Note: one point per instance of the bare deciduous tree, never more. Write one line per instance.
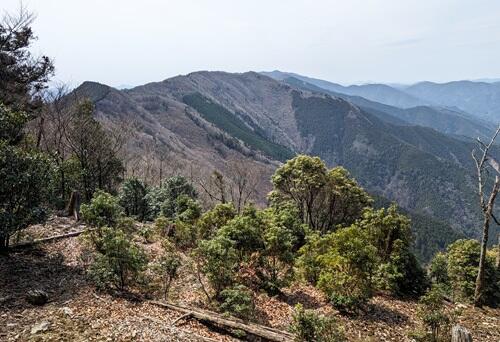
(236, 183)
(484, 163)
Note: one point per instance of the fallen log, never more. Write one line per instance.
(189, 314)
(195, 337)
(47, 239)
(267, 333)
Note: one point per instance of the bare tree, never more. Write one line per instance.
(244, 180)
(214, 186)
(237, 183)
(53, 122)
(497, 263)
(484, 163)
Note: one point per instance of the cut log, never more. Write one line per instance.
(460, 334)
(229, 323)
(48, 239)
(74, 205)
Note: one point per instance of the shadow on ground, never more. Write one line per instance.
(22, 271)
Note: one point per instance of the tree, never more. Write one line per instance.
(214, 219)
(133, 199)
(347, 267)
(103, 210)
(438, 271)
(398, 270)
(485, 162)
(25, 172)
(22, 76)
(26, 176)
(218, 260)
(300, 180)
(53, 122)
(463, 263)
(118, 261)
(95, 149)
(163, 199)
(341, 202)
(324, 198)
(236, 183)
(432, 312)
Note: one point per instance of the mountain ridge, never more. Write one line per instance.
(425, 171)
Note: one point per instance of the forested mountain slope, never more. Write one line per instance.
(208, 117)
(444, 120)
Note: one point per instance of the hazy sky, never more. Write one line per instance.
(139, 41)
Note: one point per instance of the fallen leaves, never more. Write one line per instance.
(75, 312)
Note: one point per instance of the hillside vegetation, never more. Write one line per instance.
(218, 206)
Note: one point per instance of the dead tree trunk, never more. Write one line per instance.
(74, 205)
(460, 334)
(260, 331)
(484, 163)
(497, 263)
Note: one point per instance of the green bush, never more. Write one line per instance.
(133, 199)
(433, 315)
(245, 231)
(147, 233)
(168, 266)
(172, 190)
(308, 326)
(463, 264)
(162, 226)
(237, 301)
(187, 209)
(438, 271)
(281, 232)
(184, 234)
(264, 241)
(24, 187)
(103, 210)
(219, 261)
(398, 270)
(212, 220)
(118, 263)
(162, 200)
(309, 260)
(347, 267)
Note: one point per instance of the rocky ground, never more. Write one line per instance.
(76, 311)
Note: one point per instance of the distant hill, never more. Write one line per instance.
(478, 98)
(375, 92)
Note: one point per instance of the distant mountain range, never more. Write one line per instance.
(418, 156)
(478, 99)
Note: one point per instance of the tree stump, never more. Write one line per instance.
(460, 334)
(74, 205)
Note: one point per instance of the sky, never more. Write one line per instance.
(350, 41)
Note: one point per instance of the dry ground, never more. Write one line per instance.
(77, 312)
